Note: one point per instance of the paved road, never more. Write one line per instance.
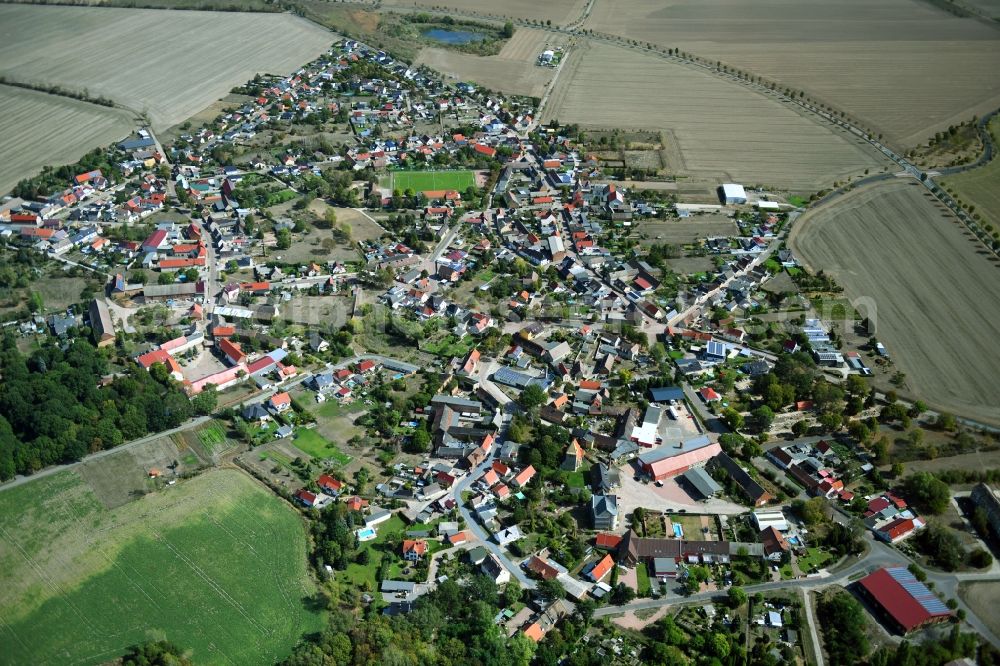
(461, 486)
(879, 555)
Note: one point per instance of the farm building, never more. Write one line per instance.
(905, 602)
(672, 459)
(702, 482)
(100, 322)
(731, 193)
(747, 485)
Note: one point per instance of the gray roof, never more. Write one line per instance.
(602, 505)
(702, 482)
(176, 289)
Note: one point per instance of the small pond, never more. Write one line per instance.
(453, 36)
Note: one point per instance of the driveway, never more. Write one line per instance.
(670, 497)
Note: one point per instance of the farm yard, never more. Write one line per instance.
(723, 130)
(50, 130)
(906, 78)
(513, 70)
(212, 52)
(927, 277)
(424, 181)
(216, 564)
(981, 187)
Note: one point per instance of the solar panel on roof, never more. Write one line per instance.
(917, 590)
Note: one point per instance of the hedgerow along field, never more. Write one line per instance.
(50, 130)
(981, 187)
(201, 55)
(428, 181)
(216, 564)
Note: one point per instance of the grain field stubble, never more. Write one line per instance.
(937, 312)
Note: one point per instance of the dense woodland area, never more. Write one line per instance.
(54, 408)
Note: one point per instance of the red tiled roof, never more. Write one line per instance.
(900, 602)
(525, 476)
(602, 568)
(417, 546)
(327, 482)
(607, 540)
(541, 568)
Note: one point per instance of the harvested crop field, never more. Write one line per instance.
(903, 67)
(216, 564)
(170, 64)
(931, 283)
(557, 11)
(723, 130)
(983, 598)
(981, 187)
(49, 130)
(513, 70)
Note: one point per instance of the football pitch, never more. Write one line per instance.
(216, 564)
(425, 181)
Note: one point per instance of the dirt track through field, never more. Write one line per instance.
(938, 311)
(723, 130)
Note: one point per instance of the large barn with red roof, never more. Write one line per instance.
(905, 603)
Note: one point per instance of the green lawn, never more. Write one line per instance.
(449, 346)
(217, 564)
(312, 443)
(423, 181)
(365, 575)
(642, 579)
(575, 480)
(814, 557)
(796, 201)
(331, 409)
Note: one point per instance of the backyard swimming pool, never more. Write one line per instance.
(366, 533)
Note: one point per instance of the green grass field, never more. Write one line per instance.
(981, 187)
(215, 564)
(423, 181)
(312, 443)
(575, 480)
